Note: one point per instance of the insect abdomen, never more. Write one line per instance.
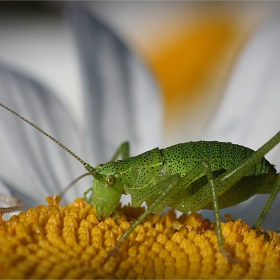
(183, 157)
(222, 157)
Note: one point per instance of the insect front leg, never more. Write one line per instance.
(123, 150)
(85, 195)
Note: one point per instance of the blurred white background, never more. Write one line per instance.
(36, 39)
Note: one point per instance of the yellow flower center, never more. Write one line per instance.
(70, 242)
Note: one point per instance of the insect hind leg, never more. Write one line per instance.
(268, 204)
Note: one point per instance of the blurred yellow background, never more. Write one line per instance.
(193, 66)
(191, 48)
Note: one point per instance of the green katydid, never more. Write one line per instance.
(189, 177)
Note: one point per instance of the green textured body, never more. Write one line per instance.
(140, 176)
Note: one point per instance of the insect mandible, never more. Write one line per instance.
(189, 177)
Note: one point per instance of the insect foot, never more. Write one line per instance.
(229, 257)
(112, 254)
(75, 244)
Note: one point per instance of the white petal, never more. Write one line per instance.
(249, 113)
(49, 167)
(122, 101)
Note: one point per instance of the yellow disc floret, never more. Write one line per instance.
(70, 242)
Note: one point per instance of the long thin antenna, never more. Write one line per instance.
(63, 192)
(49, 136)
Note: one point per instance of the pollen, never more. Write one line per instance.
(70, 242)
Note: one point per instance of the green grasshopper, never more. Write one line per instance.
(189, 177)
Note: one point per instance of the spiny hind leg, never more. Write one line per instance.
(122, 151)
(268, 204)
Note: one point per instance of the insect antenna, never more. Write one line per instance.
(87, 166)
(63, 192)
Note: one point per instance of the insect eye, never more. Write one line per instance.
(110, 180)
(98, 165)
